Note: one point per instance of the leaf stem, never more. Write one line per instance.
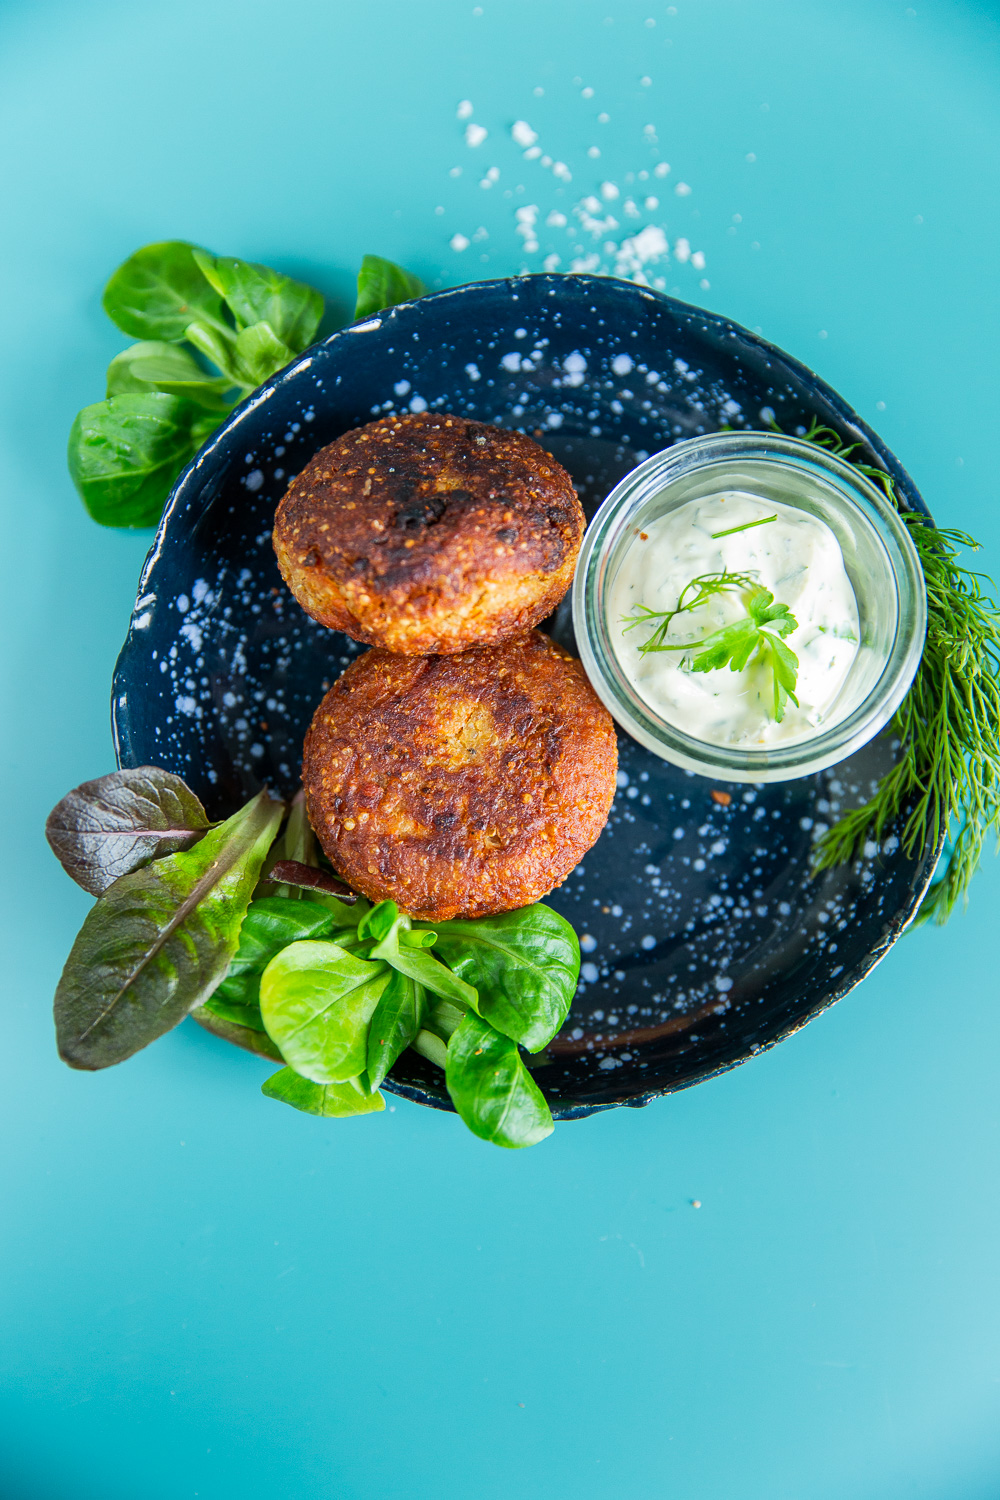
(747, 526)
(430, 1045)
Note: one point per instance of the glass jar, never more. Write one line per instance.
(879, 557)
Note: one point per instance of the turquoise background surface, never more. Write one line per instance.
(204, 1294)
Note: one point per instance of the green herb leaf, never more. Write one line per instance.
(270, 924)
(219, 345)
(378, 921)
(125, 453)
(158, 942)
(758, 634)
(412, 960)
(491, 1088)
(316, 1000)
(336, 1100)
(525, 966)
(947, 778)
(397, 1019)
(157, 366)
(159, 291)
(257, 294)
(784, 666)
(105, 828)
(260, 354)
(383, 284)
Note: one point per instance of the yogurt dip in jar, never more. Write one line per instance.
(749, 606)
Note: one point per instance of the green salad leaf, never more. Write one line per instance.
(335, 992)
(491, 1088)
(157, 366)
(258, 353)
(256, 294)
(160, 940)
(332, 1099)
(160, 291)
(396, 1021)
(316, 1000)
(126, 452)
(381, 284)
(270, 924)
(525, 966)
(404, 950)
(162, 404)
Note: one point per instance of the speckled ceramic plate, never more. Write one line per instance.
(704, 938)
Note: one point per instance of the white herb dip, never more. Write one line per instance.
(797, 557)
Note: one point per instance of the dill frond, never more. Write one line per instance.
(947, 779)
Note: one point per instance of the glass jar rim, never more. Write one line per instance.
(858, 496)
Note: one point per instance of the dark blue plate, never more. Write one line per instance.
(704, 938)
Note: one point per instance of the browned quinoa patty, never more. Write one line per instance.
(460, 785)
(429, 533)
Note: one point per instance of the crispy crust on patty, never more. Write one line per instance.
(460, 785)
(429, 533)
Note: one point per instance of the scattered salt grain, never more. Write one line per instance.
(475, 135)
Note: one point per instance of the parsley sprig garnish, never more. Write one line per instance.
(758, 635)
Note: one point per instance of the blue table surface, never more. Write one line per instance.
(204, 1294)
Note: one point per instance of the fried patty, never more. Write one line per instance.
(460, 785)
(429, 533)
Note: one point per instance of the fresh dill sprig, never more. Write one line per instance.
(947, 779)
(758, 633)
